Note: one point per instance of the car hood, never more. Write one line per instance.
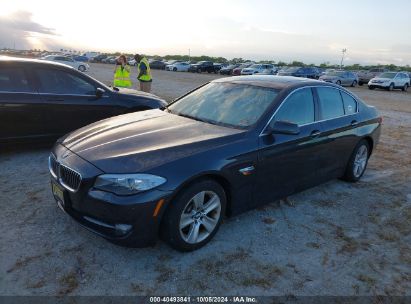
(382, 79)
(136, 93)
(139, 141)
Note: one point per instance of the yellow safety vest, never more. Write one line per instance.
(147, 75)
(122, 77)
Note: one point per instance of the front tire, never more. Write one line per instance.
(194, 216)
(338, 82)
(175, 69)
(354, 84)
(358, 162)
(391, 87)
(82, 68)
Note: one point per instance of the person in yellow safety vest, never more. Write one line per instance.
(122, 73)
(143, 73)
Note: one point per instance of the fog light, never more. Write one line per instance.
(122, 228)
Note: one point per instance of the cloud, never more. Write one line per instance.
(17, 30)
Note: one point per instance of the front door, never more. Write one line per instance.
(289, 163)
(72, 101)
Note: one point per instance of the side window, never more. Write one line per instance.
(298, 108)
(59, 82)
(331, 105)
(14, 80)
(350, 105)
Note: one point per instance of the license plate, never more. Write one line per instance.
(58, 193)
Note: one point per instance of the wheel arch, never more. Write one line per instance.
(370, 142)
(220, 179)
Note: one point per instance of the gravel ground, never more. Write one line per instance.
(337, 239)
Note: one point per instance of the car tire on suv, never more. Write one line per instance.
(405, 87)
(391, 87)
(194, 215)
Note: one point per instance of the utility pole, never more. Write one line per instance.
(342, 58)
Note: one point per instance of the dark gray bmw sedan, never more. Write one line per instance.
(222, 149)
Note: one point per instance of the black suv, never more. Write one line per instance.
(308, 72)
(203, 66)
(44, 100)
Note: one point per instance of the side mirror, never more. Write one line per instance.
(99, 92)
(283, 127)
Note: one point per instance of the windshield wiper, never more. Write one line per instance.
(195, 118)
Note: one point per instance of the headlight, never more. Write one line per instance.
(126, 184)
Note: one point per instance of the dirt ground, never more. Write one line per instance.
(337, 239)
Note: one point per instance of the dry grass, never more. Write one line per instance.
(268, 220)
(23, 262)
(68, 283)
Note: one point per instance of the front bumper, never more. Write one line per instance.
(125, 220)
(379, 85)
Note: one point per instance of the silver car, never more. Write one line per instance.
(342, 78)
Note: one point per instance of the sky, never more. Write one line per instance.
(313, 31)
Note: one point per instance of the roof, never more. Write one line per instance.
(270, 81)
(32, 61)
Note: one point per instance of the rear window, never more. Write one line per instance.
(350, 105)
(14, 80)
(331, 104)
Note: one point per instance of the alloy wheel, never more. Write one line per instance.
(360, 161)
(200, 217)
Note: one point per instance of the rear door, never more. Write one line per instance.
(21, 108)
(338, 113)
(71, 100)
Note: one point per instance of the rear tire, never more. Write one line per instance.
(338, 82)
(187, 224)
(82, 68)
(354, 84)
(358, 162)
(175, 69)
(360, 83)
(371, 87)
(405, 88)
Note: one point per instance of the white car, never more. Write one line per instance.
(81, 66)
(178, 67)
(259, 69)
(390, 81)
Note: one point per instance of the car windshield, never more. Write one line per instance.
(255, 66)
(226, 104)
(387, 75)
(231, 66)
(335, 73)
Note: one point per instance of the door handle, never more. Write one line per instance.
(315, 133)
(354, 123)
